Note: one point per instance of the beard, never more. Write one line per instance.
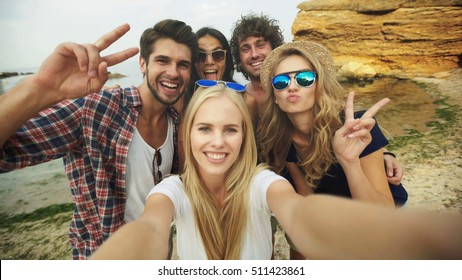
(252, 75)
(156, 95)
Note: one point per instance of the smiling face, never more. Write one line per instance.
(210, 69)
(168, 71)
(294, 99)
(252, 52)
(216, 137)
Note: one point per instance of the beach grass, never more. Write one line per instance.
(39, 235)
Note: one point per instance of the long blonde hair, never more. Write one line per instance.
(221, 226)
(275, 129)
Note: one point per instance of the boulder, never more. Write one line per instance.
(400, 38)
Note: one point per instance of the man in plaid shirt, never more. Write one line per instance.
(116, 144)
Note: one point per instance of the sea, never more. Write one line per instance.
(130, 69)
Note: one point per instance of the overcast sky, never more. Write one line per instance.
(30, 29)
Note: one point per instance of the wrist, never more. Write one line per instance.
(43, 95)
(389, 153)
(351, 164)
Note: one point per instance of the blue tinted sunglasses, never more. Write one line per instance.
(210, 83)
(303, 78)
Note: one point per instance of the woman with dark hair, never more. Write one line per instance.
(214, 61)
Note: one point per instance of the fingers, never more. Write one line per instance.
(102, 70)
(87, 56)
(388, 167)
(94, 59)
(363, 132)
(90, 59)
(398, 173)
(107, 39)
(120, 56)
(393, 180)
(70, 50)
(375, 108)
(102, 75)
(357, 127)
(350, 108)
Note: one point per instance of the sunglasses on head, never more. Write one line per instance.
(210, 83)
(303, 78)
(156, 163)
(217, 56)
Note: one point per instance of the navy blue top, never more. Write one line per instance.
(334, 182)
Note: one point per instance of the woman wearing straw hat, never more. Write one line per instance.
(300, 117)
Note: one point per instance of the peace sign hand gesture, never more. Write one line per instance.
(354, 136)
(75, 70)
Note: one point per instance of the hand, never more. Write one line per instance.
(75, 70)
(394, 170)
(353, 137)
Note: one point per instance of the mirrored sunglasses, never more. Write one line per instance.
(210, 83)
(217, 56)
(303, 78)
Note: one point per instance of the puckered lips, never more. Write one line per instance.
(292, 98)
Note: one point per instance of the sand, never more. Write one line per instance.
(433, 179)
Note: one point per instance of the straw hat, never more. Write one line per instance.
(306, 48)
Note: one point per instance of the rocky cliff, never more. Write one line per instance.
(402, 38)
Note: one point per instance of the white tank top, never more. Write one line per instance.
(139, 179)
(256, 244)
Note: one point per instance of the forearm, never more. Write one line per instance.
(361, 187)
(136, 241)
(20, 104)
(298, 179)
(334, 228)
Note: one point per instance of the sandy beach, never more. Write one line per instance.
(433, 178)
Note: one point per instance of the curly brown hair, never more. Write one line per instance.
(258, 26)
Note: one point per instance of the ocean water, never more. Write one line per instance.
(130, 69)
(7, 83)
(132, 72)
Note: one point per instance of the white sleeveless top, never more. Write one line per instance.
(139, 179)
(257, 243)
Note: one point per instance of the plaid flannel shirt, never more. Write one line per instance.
(92, 134)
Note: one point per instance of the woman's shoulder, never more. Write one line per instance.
(171, 183)
(172, 179)
(265, 176)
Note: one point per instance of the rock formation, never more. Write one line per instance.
(401, 38)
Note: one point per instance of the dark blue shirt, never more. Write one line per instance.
(334, 182)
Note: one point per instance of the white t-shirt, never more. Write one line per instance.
(257, 243)
(139, 178)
